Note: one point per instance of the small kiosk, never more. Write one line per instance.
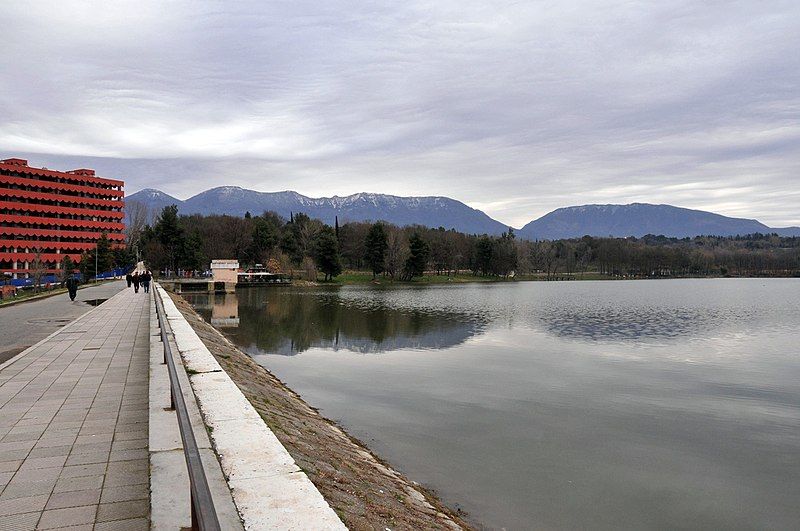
(225, 274)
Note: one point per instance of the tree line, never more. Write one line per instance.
(305, 247)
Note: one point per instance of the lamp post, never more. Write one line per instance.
(96, 251)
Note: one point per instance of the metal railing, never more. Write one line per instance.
(204, 515)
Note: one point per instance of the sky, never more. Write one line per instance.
(515, 108)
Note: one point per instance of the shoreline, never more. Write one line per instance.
(361, 278)
(363, 489)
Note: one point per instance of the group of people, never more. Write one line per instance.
(137, 278)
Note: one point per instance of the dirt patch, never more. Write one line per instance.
(364, 491)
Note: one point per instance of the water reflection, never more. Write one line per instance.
(290, 321)
(225, 310)
(615, 323)
(592, 405)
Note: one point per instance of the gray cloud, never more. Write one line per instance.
(514, 108)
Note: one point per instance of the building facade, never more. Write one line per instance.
(46, 215)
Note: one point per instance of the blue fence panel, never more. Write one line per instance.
(54, 279)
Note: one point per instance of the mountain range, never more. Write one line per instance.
(636, 219)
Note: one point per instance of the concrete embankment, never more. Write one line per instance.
(267, 487)
(363, 490)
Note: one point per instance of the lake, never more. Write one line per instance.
(555, 405)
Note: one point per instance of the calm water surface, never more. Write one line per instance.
(602, 405)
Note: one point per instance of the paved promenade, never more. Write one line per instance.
(35, 320)
(74, 424)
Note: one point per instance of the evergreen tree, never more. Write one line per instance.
(326, 253)
(504, 254)
(86, 265)
(169, 234)
(264, 239)
(419, 253)
(289, 244)
(123, 257)
(191, 251)
(375, 246)
(105, 257)
(483, 255)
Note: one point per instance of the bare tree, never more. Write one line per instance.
(138, 216)
(37, 269)
(397, 250)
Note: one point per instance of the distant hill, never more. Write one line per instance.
(154, 200)
(639, 219)
(428, 211)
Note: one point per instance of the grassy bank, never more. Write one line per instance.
(365, 277)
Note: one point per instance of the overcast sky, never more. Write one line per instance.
(516, 108)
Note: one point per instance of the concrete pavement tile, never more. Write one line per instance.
(132, 444)
(19, 522)
(55, 518)
(13, 455)
(18, 445)
(10, 466)
(89, 448)
(36, 474)
(137, 465)
(128, 435)
(38, 421)
(125, 493)
(5, 477)
(50, 451)
(65, 424)
(79, 483)
(43, 462)
(94, 438)
(22, 505)
(23, 436)
(134, 524)
(89, 431)
(87, 459)
(122, 478)
(51, 433)
(22, 489)
(50, 442)
(75, 498)
(108, 419)
(76, 471)
(35, 431)
(128, 455)
(123, 510)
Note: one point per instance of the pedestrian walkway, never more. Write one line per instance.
(74, 424)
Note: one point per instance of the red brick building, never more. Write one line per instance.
(54, 214)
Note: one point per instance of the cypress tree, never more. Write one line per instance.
(419, 253)
(326, 253)
(375, 246)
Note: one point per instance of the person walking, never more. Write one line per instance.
(72, 287)
(135, 279)
(146, 278)
(129, 278)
